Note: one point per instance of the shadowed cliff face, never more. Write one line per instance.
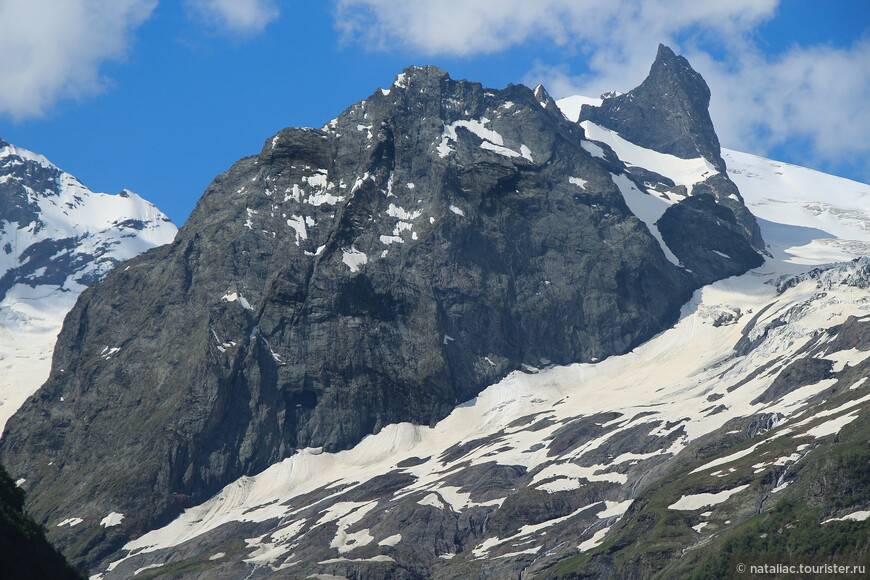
(24, 549)
(384, 268)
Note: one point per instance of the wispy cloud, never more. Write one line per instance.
(467, 27)
(236, 16)
(815, 96)
(54, 48)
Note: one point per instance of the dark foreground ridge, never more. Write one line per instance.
(385, 268)
(24, 551)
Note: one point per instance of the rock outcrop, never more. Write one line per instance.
(668, 112)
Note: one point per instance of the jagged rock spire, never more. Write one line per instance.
(668, 112)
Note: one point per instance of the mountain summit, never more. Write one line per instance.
(668, 112)
(385, 268)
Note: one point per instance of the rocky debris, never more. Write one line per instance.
(800, 373)
(855, 273)
(655, 181)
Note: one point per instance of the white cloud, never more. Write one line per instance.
(53, 49)
(815, 97)
(237, 16)
(616, 39)
(466, 27)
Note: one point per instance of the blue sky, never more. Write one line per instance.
(159, 96)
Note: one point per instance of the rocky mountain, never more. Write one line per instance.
(57, 238)
(668, 113)
(416, 343)
(744, 421)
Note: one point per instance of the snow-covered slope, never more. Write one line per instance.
(56, 238)
(783, 194)
(545, 462)
(570, 106)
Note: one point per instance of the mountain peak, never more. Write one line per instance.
(545, 99)
(670, 70)
(667, 112)
(665, 53)
(419, 74)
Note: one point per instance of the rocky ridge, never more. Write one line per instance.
(383, 269)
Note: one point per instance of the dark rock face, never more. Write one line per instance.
(854, 333)
(419, 247)
(686, 228)
(668, 112)
(802, 372)
(24, 550)
(727, 195)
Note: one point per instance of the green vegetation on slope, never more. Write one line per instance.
(789, 533)
(832, 478)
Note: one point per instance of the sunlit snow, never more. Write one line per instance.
(102, 226)
(648, 208)
(353, 258)
(699, 500)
